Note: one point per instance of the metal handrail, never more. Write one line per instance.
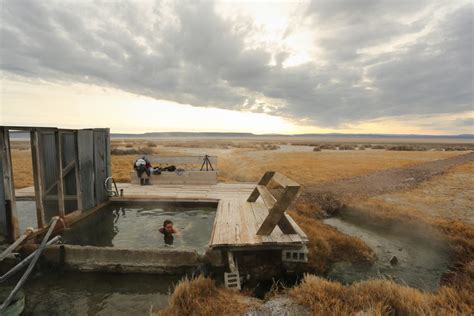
(34, 259)
(111, 192)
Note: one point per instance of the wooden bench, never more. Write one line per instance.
(276, 206)
(190, 170)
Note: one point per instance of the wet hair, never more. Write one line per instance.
(166, 222)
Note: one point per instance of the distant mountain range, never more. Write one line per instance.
(251, 135)
(23, 135)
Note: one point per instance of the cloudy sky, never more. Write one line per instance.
(359, 66)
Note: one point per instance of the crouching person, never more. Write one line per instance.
(142, 165)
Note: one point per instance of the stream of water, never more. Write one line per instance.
(422, 258)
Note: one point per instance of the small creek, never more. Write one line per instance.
(422, 258)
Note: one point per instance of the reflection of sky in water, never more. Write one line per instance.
(138, 228)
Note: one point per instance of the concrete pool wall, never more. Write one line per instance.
(106, 259)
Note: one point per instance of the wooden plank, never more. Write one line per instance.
(276, 213)
(263, 181)
(80, 205)
(260, 212)
(69, 168)
(3, 205)
(108, 158)
(297, 228)
(8, 184)
(284, 181)
(213, 231)
(60, 180)
(37, 177)
(85, 152)
(219, 225)
(100, 166)
(247, 232)
(267, 197)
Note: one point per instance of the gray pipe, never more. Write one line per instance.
(30, 267)
(13, 246)
(25, 261)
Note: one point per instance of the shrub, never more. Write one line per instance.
(346, 147)
(327, 146)
(151, 144)
(132, 151)
(317, 148)
(378, 297)
(200, 296)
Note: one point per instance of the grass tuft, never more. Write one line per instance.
(200, 296)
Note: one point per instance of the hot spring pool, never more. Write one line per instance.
(136, 226)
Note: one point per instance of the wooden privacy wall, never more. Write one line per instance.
(69, 170)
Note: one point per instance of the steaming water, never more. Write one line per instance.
(421, 260)
(97, 294)
(136, 226)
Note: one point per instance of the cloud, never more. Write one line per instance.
(375, 58)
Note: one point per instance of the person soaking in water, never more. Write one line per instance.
(168, 230)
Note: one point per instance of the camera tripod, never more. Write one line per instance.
(206, 162)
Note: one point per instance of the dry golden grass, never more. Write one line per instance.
(201, 297)
(378, 297)
(22, 168)
(314, 167)
(245, 164)
(449, 196)
(327, 245)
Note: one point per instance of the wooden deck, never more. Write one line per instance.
(237, 221)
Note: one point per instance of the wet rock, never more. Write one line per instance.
(393, 260)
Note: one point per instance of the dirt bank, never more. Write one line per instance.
(330, 195)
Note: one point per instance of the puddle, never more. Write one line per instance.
(96, 294)
(136, 226)
(422, 259)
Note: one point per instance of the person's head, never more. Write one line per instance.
(168, 225)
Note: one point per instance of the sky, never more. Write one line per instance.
(321, 66)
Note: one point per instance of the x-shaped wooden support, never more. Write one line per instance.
(276, 207)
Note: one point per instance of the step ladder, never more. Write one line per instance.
(232, 278)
